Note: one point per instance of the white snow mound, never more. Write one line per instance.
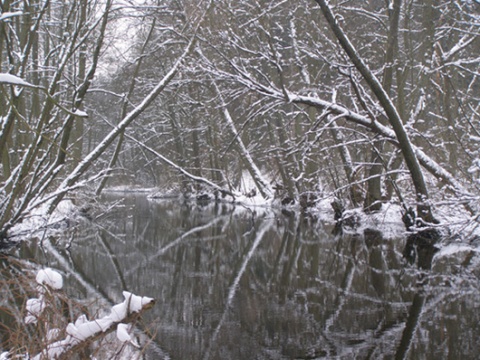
(50, 277)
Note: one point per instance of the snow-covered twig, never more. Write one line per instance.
(83, 331)
(78, 334)
(10, 79)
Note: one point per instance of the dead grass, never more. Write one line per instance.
(17, 285)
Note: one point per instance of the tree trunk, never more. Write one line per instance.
(262, 184)
(373, 197)
(118, 147)
(374, 184)
(423, 207)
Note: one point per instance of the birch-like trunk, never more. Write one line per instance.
(262, 184)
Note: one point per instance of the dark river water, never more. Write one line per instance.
(230, 283)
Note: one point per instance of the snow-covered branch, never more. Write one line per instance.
(84, 331)
(123, 124)
(262, 184)
(14, 80)
(8, 15)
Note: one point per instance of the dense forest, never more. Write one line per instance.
(366, 102)
(339, 109)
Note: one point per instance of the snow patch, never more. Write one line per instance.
(251, 195)
(53, 334)
(451, 249)
(132, 303)
(123, 332)
(50, 278)
(38, 220)
(386, 221)
(80, 113)
(119, 312)
(34, 308)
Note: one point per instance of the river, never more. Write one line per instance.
(237, 283)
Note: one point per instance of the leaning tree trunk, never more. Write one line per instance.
(423, 208)
(262, 184)
(126, 100)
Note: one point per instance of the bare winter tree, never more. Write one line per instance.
(39, 123)
(309, 98)
(43, 106)
(379, 99)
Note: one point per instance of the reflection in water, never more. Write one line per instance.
(420, 247)
(237, 284)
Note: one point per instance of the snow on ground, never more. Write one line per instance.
(38, 223)
(455, 223)
(451, 249)
(131, 189)
(255, 200)
(246, 193)
(251, 196)
(388, 221)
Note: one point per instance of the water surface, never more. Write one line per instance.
(232, 283)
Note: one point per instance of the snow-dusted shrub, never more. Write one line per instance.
(39, 321)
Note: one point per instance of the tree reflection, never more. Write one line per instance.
(235, 284)
(420, 247)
